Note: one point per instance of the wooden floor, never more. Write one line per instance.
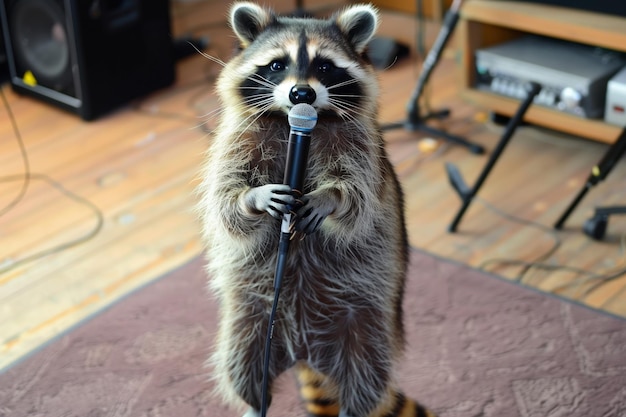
(136, 170)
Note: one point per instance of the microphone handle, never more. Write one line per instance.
(295, 168)
(297, 158)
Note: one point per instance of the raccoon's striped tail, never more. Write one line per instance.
(319, 395)
(406, 407)
(321, 399)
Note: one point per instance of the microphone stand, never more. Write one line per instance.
(416, 121)
(283, 249)
(295, 172)
(300, 11)
(454, 175)
(595, 226)
(598, 173)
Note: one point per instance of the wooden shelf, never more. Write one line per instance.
(488, 22)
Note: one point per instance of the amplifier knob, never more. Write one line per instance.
(570, 98)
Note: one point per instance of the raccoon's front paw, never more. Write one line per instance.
(274, 199)
(314, 210)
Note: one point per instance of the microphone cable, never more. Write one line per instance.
(26, 177)
(541, 262)
(25, 160)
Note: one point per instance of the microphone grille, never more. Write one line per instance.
(302, 117)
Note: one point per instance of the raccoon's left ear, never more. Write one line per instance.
(358, 23)
(248, 20)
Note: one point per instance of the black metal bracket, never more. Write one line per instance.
(456, 179)
(595, 227)
(598, 173)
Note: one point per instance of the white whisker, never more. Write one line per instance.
(348, 111)
(262, 81)
(260, 99)
(209, 57)
(252, 118)
(347, 95)
(344, 83)
(212, 113)
(346, 105)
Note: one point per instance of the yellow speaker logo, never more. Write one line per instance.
(29, 79)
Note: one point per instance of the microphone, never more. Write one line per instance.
(302, 119)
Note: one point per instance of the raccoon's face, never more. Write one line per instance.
(285, 61)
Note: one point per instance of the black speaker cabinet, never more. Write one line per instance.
(613, 7)
(4, 65)
(88, 56)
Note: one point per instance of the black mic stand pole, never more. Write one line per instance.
(598, 173)
(456, 179)
(300, 11)
(415, 121)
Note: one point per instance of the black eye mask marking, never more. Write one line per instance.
(256, 88)
(338, 81)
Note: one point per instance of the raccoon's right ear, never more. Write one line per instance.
(248, 20)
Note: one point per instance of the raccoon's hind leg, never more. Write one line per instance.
(239, 353)
(318, 392)
(360, 362)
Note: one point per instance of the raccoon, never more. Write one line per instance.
(339, 321)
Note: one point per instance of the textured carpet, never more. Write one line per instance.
(478, 347)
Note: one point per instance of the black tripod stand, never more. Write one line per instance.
(596, 226)
(415, 120)
(454, 175)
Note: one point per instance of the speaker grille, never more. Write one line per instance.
(88, 56)
(39, 31)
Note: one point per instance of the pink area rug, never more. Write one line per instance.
(478, 346)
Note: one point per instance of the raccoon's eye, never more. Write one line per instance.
(277, 65)
(325, 66)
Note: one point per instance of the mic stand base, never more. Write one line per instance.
(415, 121)
(598, 173)
(414, 124)
(595, 227)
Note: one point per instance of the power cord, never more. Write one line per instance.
(26, 178)
(527, 265)
(539, 263)
(25, 161)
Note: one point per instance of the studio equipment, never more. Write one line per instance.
(88, 57)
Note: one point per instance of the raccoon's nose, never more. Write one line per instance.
(302, 93)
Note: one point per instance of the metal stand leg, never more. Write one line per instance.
(598, 173)
(416, 121)
(455, 177)
(595, 227)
